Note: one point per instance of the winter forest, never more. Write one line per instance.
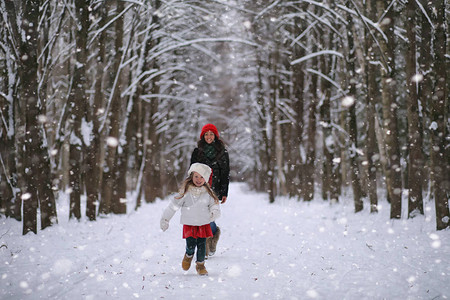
(101, 98)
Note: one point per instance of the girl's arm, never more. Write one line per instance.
(168, 213)
(214, 210)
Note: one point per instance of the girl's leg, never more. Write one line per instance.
(191, 243)
(190, 249)
(201, 249)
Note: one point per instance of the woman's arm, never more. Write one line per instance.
(194, 156)
(225, 175)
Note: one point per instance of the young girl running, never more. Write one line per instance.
(199, 206)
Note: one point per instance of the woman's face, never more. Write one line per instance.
(198, 179)
(209, 137)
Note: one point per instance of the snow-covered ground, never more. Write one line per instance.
(285, 250)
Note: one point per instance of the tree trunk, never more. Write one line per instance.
(372, 94)
(440, 162)
(353, 131)
(6, 184)
(276, 142)
(264, 121)
(93, 171)
(393, 167)
(152, 174)
(327, 134)
(7, 135)
(112, 190)
(36, 163)
(139, 121)
(311, 142)
(298, 94)
(77, 102)
(415, 159)
(426, 87)
(330, 175)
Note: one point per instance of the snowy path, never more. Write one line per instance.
(287, 250)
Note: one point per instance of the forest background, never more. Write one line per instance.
(100, 98)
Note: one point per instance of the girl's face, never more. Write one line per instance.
(198, 179)
(209, 137)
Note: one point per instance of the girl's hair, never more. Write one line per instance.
(188, 182)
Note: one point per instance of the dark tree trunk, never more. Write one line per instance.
(153, 186)
(267, 173)
(140, 120)
(113, 189)
(7, 137)
(298, 87)
(37, 182)
(426, 87)
(330, 175)
(390, 106)
(440, 162)
(311, 144)
(415, 159)
(93, 173)
(152, 166)
(273, 115)
(372, 95)
(328, 141)
(18, 111)
(77, 103)
(353, 131)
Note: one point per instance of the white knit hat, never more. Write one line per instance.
(201, 169)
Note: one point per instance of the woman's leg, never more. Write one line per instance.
(201, 249)
(213, 227)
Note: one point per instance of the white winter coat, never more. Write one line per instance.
(197, 208)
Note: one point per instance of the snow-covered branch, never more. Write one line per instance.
(309, 56)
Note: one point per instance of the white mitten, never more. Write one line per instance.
(215, 212)
(164, 224)
(167, 215)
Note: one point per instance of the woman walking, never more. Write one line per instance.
(211, 151)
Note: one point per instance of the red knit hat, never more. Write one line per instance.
(209, 127)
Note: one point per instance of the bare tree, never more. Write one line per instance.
(415, 158)
(77, 103)
(36, 188)
(8, 77)
(350, 102)
(110, 199)
(440, 162)
(390, 107)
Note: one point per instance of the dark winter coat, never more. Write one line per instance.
(220, 165)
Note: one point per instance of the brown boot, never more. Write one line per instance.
(213, 242)
(200, 267)
(186, 263)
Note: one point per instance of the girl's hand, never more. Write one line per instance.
(214, 213)
(224, 199)
(164, 224)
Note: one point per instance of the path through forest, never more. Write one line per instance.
(286, 250)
